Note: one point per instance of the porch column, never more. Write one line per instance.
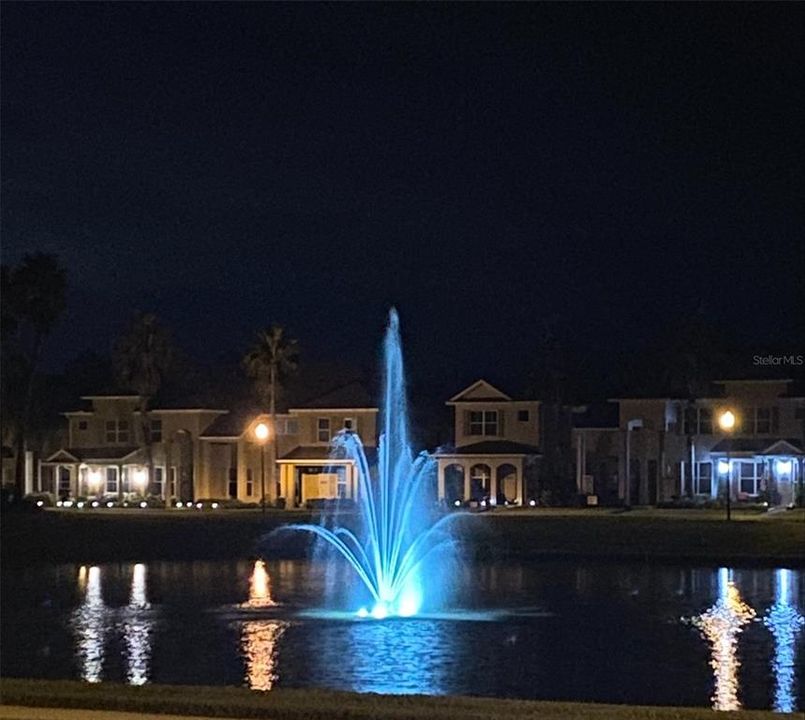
(466, 481)
(493, 484)
(75, 481)
(519, 482)
(440, 480)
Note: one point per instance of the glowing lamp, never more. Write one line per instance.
(363, 613)
(68, 503)
(143, 504)
(59, 503)
(726, 421)
(95, 503)
(40, 503)
(215, 506)
(110, 504)
(179, 504)
(457, 503)
(261, 432)
(94, 479)
(782, 467)
(140, 478)
(723, 467)
(380, 611)
(199, 506)
(532, 503)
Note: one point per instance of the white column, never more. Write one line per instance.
(493, 484)
(466, 481)
(519, 482)
(440, 479)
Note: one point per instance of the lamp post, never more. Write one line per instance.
(261, 434)
(726, 421)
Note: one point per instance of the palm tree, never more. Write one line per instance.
(142, 357)
(33, 299)
(270, 360)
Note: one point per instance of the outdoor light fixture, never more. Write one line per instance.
(67, 503)
(457, 503)
(782, 467)
(726, 421)
(110, 504)
(143, 504)
(261, 432)
(179, 504)
(59, 503)
(40, 503)
(723, 467)
(95, 503)
(532, 503)
(215, 506)
(140, 478)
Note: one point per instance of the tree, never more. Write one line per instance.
(142, 358)
(33, 300)
(270, 360)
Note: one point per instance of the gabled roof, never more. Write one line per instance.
(493, 447)
(102, 454)
(479, 391)
(759, 446)
(231, 424)
(352, 396)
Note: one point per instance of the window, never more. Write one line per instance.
(159, 480)
(341, 485)
(750, 477)
(156, 431)
(249, 482)
(483, 422)
(705, 478)
(111, 480)
(292, 426)
(349, 424)
(323, 429)
(763, 421)
(82, 424)
(523, 415)
(698, 421)
(117, 431)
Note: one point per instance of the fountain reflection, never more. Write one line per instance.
(259, 638)
(720, 625)
(137, 627)
(89, 622)
(785, 623)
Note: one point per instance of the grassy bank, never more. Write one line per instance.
(643, 535)
(289, 704)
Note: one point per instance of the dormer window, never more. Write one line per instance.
(117, 431)
(483, 422)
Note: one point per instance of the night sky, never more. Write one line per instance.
(608, 169)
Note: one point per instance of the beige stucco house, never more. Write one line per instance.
(495, 435)
(204, 453)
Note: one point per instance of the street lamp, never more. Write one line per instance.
(726, 421)
(261, 435)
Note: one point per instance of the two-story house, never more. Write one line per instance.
(203, 453)
(235, 464)
(676, 447)
(105, 454)
(495, 436)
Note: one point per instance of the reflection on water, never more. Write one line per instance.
(720, 625)
(259, 638)
(92, 622)
(137, 627)
(785, 623)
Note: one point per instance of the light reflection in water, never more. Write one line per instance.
(721, 625)
(137, 627)
(90, 624)
(259, 638)
(785, 623)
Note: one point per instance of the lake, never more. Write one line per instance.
(570, 630)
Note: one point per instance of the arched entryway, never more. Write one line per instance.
(453, 483)
(480, 481)
(506, 476)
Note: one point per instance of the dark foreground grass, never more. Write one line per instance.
(290, 704)
(643, 535)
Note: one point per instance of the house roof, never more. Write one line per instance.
(350, 396)
(324, 452)
(231, 424)
(494, 447)
(596, 416)
(102, 454)
(479, 391)
(759, 446)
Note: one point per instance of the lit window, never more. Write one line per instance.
(323, 429)
(705, 478)
(751, 476)
(484, 422)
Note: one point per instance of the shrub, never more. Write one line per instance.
(280, 503)
(47, 499)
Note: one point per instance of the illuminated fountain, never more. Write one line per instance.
(397, 534)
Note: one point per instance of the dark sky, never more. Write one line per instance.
(486, 168)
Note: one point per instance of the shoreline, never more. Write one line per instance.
(312, 704)
(641, 536)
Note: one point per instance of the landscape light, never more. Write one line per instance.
(363, 612)
(95, 503)
(68, 503)
(39, 503)
(110, 504)
(199, 506)
(179, 504)
(59, 503)
(143, 504)
(532, 503)
(215, 506)
(457, 503)
(80, 504)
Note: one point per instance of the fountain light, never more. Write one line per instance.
(362, 613)
(380, 611)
